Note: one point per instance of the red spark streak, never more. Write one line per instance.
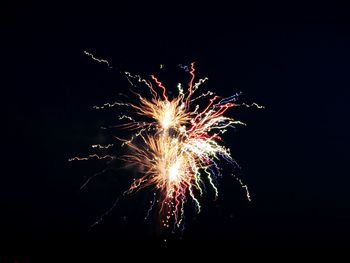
(190, 85)
(160, 85)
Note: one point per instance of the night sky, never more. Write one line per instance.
(294, 60)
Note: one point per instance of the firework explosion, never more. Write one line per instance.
(176, 143)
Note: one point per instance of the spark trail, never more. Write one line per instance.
(99, 60)
(176, 144)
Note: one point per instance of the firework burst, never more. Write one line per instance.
(175, 142)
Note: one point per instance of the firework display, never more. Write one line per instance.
(176, 140)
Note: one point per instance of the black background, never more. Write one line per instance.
(294, 59)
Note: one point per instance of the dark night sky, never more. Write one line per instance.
(295, 60)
